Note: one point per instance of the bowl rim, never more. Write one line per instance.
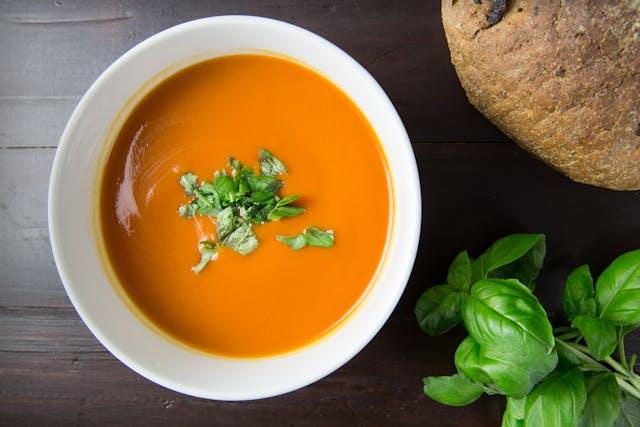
(61, 261)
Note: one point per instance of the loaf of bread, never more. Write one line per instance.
(560, 77)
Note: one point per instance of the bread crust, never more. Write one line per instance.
(560, 77)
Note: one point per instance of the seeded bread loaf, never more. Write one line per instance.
(560, 77)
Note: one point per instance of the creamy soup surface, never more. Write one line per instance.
(275, 299)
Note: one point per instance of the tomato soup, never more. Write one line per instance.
(275, 299)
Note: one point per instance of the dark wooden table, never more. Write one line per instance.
(476, 187)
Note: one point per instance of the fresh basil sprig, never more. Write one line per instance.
(563, 377)
(518, 256)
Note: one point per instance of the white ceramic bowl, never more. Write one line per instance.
(72, 211)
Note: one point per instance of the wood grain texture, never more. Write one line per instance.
(53, 50)
(54, 372)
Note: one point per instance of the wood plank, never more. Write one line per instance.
(381, 385)
(53, 371)
(55, 50)
(28, 275)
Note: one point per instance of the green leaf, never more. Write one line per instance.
(629, 415)
(311, 236)
(526, 268)
(438, 309)
(225, 223)
(208, 252)
(318, 237)
(188, 182)
(454, 390)
(579, 296)
(603, 401)
(600, 335)
(558, 401)
(225, 188)
(262, 196)
(508, 420)
(258, 214)
(514, 414)
(294, 242)
(469, 362)
(516, 343)
(264, 183)
(566, 358)
(278, 213)
(270, 165)
(516, 407)
(508, 250)
(187, 210)
(283, 209)
(618, 290)
(235, 233)
(242, 239)
(459, 275)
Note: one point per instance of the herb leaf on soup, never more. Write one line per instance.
(269, 164)
(208, 252)
(311, 236)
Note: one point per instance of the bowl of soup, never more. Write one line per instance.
(234, 208)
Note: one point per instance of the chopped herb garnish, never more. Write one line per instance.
(312, 236)
(283, 209)
(208, 252)
(270, 165)
(238, 198)
(188, 182)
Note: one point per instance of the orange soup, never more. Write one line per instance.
(275, 299)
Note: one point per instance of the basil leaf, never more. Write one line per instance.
(603, 401)
(282, 210)
(287, 200)
(270, 165)
(262, 196)
(208, 252)
(567, 358)
(558, 401)
(514, 414)
(294, 242)
(311, 236)
(459, 275)
(278, 213)
(618, 290)
(469, 362)
(235, 233)
(516, 343)
(527, 249)
(242, 239)
(235, 166)
(225, 223)
(527, 268)
(516, 407)
(225, 188)
(438, 309)
(264, 183)
(579, 296)
(600, 335)
(629, 415)
(257, 214)
(188, 182)
(187, 210)
(509, 420)
(454, 390)
(318, 237)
